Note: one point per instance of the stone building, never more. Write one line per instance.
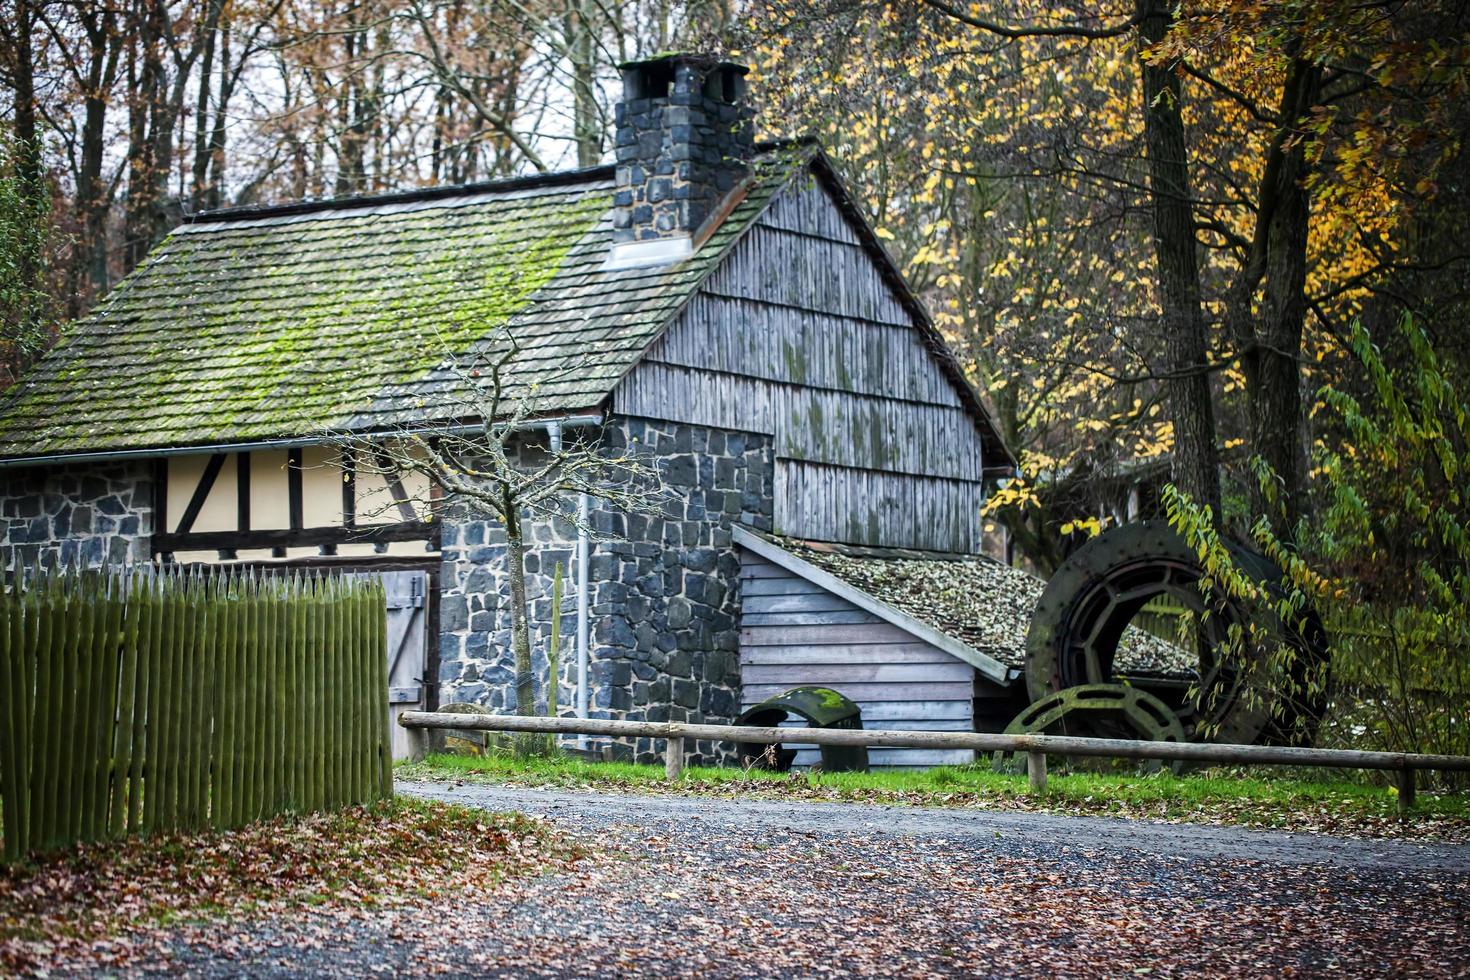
(723, 303)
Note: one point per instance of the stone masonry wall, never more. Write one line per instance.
(666, 608)
(665, 602)
(77, 513)
(475, 662)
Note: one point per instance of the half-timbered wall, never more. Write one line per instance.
(798, 336)
(252, 492)
(795, 633)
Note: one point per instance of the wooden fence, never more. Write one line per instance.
(1036, 747)
(148, 701)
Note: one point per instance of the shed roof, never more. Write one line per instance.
(977, 601)
(286, 322)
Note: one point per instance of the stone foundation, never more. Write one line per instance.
(75, 514)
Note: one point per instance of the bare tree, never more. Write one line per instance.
(486, 461)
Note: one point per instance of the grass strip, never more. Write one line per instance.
(1274, 799)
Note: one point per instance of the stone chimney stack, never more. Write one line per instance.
(685, 138)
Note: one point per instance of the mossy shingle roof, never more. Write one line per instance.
(288, 322)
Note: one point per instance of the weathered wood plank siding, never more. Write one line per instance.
(798, 336)
(785, 344)
(837, 503)
(814, 424)
(786, 641)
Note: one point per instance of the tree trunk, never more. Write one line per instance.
(28, 149)
(586, 122)
(145, 84)
(520, 630)
(94, 195)
(199, 171)
(1196, 468)
(229, 73)
(1272, 372)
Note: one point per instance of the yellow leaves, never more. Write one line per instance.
(1090, 526)
(1017, 494)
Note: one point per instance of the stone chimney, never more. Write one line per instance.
(685, 138)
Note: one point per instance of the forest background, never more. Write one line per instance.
(1207, 261)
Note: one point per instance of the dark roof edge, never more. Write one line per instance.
(567, 420)
(557, 178)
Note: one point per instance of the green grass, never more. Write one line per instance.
(1278, 799)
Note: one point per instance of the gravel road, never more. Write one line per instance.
(717, 888)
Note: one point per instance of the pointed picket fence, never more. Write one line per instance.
(141, 701)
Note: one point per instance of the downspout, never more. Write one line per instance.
(553, 438)
(583, 601)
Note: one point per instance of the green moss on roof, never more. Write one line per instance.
(279, 326)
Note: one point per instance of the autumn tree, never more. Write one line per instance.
(1229, 163)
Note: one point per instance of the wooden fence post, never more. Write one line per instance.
(418, 743)
(1036, 771)
(674, 754)
(1405, 780)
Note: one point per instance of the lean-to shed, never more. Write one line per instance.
(920, 640)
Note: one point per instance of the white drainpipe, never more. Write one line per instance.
(584, 545)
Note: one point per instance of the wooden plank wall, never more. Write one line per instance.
(795, 633)
(833, 503)
(797, 336)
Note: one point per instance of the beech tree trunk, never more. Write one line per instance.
(145, 83)
(28, 148)
(586, 121)
(520, 630)
(1196, 464)
(94, 195)
(1272, 371)
(199, 171)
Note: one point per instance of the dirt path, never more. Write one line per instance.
(715, 888)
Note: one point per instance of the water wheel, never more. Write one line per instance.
(1095, 710)
(1092, 597)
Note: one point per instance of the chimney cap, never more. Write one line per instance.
(703, 61)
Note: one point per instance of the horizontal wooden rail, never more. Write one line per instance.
(1036, 747)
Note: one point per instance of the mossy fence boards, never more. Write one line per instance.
(145, 701)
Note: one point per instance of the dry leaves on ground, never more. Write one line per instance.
(109, 903)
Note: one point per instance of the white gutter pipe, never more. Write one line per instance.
(584, 591)
(209, 449)
(553, 433)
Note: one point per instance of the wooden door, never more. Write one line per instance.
(408, 681)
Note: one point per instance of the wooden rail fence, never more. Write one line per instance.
(1036, 747)
(146, 701)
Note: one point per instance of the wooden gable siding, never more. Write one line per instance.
(794, 633)
(797, 335)
(829, 503)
